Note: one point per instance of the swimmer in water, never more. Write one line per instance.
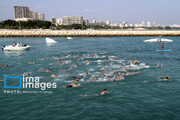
(77, 80)
(31, 63)
(47, 70)
(158, 66)
(103, 92)
(1, 66)
(1, 80)
(70, 69)
(166, 78)
(42, 70)
(53, 76)
(75, 66)
(72, 85)
(94, 79)
(86, 73)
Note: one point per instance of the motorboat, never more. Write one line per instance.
(69, 38)
(158, 40)
(15, 48)
(50, 40)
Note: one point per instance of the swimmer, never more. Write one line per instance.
(136, 72)
(54, 57)
(72, 85)
(77, 80)
(1, 80)
(43, 58)
(105, 74)
(31, 63)
(1, 66)
(103, 92)
(53, 76)
(88, 62)
(86, 73)
(157, 66)
(42, 70)
(94, 79)
(104, 69)
(75, 66)
(70, 69)
(47, 70)
(166, 78)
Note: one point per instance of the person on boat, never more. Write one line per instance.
(103, 92)
(2, 47)
(21, 44)
(163, 46)
(166, 78)
(18, 44)
(14, 44)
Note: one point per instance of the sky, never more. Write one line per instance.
(132, 11)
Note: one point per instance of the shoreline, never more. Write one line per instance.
(86, 33)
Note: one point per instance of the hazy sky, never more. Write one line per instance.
(161, 11)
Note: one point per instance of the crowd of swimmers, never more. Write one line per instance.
(120, 74)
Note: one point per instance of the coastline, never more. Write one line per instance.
(86, 33)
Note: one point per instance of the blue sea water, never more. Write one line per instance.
(143, 96)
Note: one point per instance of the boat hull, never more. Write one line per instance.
(158, 40)
(12, 48)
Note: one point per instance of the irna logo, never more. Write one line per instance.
(27, 82)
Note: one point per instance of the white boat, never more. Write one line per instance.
(69, 38)
(158, 40)
(50, 40)
(15, 48)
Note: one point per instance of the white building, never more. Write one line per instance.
(59, 21)
(108, 23)
(148, 24)
(69, 20)
(22, 13)
(86, 22)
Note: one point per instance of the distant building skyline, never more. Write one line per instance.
(132, 11)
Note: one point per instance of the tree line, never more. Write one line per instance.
(12, 24)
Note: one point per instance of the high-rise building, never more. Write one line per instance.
(154, 24)
(93, 22)
(148, 24)
(22, 13)
(53, 20)
(69, 20)
(86, 22)
(108, 23)
(143, 23)
(101, 22)
(59, 21)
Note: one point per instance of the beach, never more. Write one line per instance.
(85, 33)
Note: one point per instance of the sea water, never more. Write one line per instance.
(143, 96)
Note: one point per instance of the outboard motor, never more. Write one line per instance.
(3, 47)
